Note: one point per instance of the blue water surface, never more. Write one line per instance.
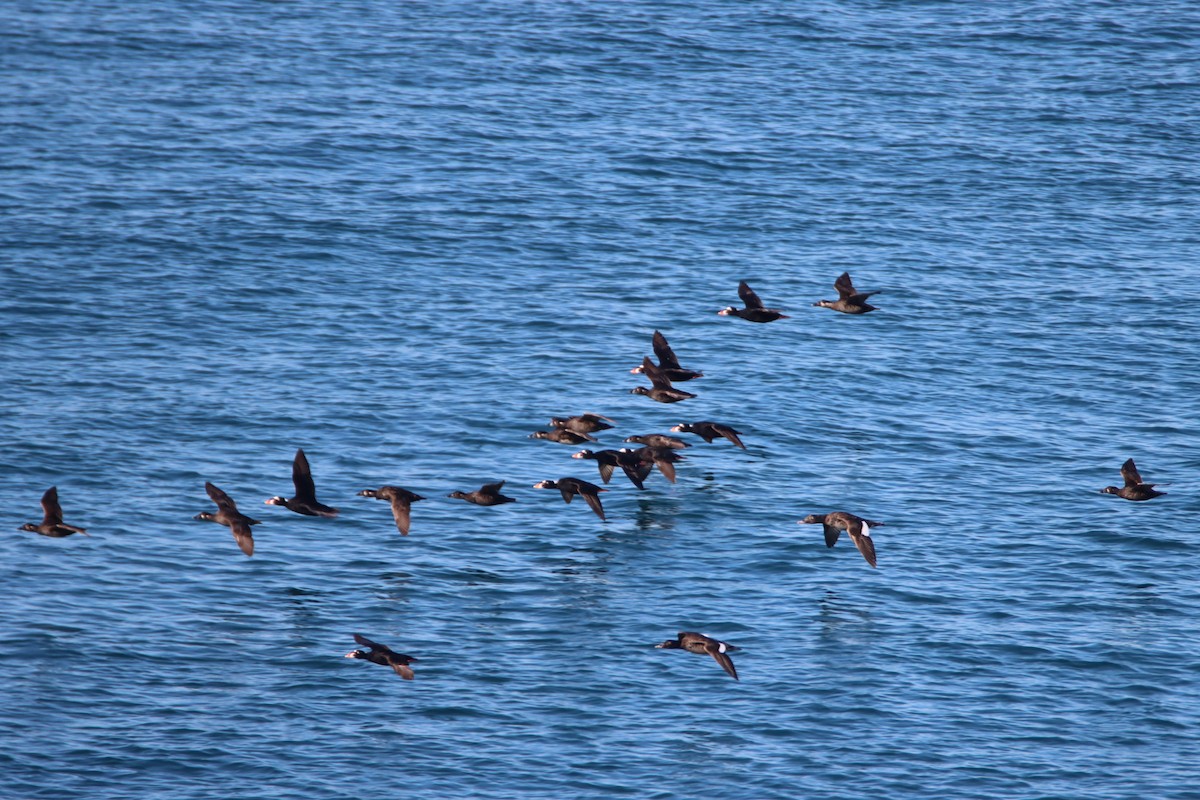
(402, 235)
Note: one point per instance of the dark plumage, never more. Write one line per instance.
(661, 389)
(384, 655)
(662, 457)
(583, 423)
(52, 522)
(305, 500)
(849, 300)
(608, 460)
(658, 440)
(859, 529)
(1133, 489)
(227, 514)
(667, 362)
(569, 487)
(486, 495)
(754, 310)
(563, 436)
(708, 431)
(703, 645)
(401, 501)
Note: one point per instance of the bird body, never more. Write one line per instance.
(563, 436)
(227, 514)
(569, 487)
(608, 460)
(401, 501)
(583, 423)
(52, 524)
(703, 645)
(667, 362)
(304, 501)
(658, 440)
(850, 300)
(384, 655)
(486, 495)
(708, 431)
(661, 389)
(1133, 489)
(754, 311)
(858, 528)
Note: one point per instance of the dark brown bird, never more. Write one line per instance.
(703, 645)
(658, 440)
(708, 431)
(662, 457)
(583, 423)
(52, 522)
(607, 460)
(563, 436)
(667, 362)
(401, 501)
(486, 495)
(849, 300)
(569, 487)
(859, 529)
(661, 389)
(754, 311)
(1134, 489)
(384, 655)
(227, 514)
(305, 500)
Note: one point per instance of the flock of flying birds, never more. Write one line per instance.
(656, 450)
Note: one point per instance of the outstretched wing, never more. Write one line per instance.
(656, 375)
(1129, 472)
(403, 670)
(593, 500)
(223, 501)
(243, 537)
(831, 535)
(844, 286)
(666, 356)
(748, 296)
(730, 434)
(302, 479)
(51, 510)
(401, 508)
(383, 648)
(860, 534)
(717, 651)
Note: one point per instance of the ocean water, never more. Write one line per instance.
(403, 235)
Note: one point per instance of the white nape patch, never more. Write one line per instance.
(866, 530)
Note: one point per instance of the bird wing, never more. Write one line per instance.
(1129, 472)
(666, 356)
(51, 510)
(730, 434)
(567, 490)
(302, 479)
(860, 534)
(831, 535)
(606, 471)
(242, 535)
(403, 670)
(401, 507)
(666, 467)
(844, 286)
(491, 488)
(748, 296)
(382, 648)
(656, 375)
(224, 502)
(637, 473)
(593, 500)
(717, 651)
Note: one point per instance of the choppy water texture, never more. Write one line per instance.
(402, 235)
